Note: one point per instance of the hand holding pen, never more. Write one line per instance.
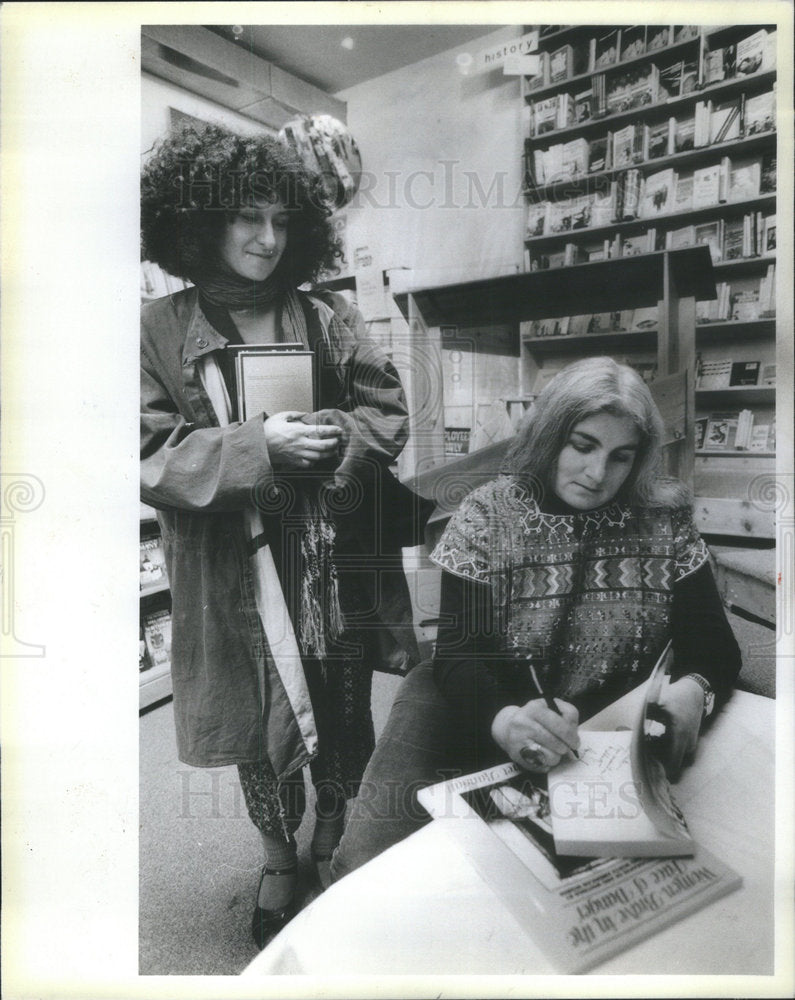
(540, 733)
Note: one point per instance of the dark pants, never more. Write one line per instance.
(420, 746)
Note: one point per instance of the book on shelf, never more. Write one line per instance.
(582, 105)
(700, 432)
(536, 216)
(685, 236)
(658, 193)
(718, 64)
(744, 179)
(745, 428)
(157, 635)
(760, 438)
(540, 78)
(702, 121)
(745, 305)
(598, 95)
(561, 64)
(629, 192)
(717, 309)
(627, 146)
(582, 908)
(767, 292)
(599, 154)
(152, 563)
(713, 374)
(724, 121)
(710, 234)
(733, 239)
(683, 192)
(657, 37)
(767, 174)
(633, 41)
(684, 32)
(646, 318)
(658, 139)
(744, 373)
(684, 134)
(552, 113)
(636, 87)
(759, 113)
(751, 53)
(633, 245)
(721, 432)
(144, 663)
(706, 186)
(767, 376)
(604, 49)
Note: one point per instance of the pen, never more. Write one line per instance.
(548, 699)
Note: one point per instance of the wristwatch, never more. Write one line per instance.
(709, 694)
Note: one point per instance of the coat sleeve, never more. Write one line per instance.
(192, 467)
(374, 415)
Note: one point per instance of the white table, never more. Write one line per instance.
(421, 909)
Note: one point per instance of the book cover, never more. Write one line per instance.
(658, 139)
(561, 64)
(536, 216)
(744, 373)
(597, 155)
(658, 194)
(714, 375)
(733, 239)
(683, 192)
(759, 440)
(724, 121)
(152, 563)
(273, 378)
(745, 305)
(768, 374)
(751, 52)
(606, 49)
(721, 431)
(675, 239)
(767, 176)
(759, 113)
(157, 635)
(710, 234)
(579, 910)
(684, 133)
(633, 41)
(582, 105)
(700, 429)
(744, 179)
(706, 186)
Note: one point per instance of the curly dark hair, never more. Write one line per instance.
(198, 177)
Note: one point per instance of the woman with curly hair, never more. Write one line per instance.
(566, 575)
(287, 585)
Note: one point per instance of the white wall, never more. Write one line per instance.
(429, 136)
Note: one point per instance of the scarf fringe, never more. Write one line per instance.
(320, 613)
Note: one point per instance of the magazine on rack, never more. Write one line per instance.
(580, 910)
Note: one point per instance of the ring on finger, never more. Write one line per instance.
(532, 754)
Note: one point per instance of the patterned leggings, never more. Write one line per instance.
(340, 696)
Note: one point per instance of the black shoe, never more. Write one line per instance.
(265, 923)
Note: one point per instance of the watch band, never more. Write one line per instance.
(709, 694)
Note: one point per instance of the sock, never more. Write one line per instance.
(276, 891)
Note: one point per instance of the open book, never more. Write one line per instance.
(615, 801)
(580, 910)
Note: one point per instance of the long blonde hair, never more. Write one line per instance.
(579, 391)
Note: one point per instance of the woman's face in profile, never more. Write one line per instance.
(595, 460)
(255, 239)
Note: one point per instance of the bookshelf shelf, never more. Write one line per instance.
(736, 330)
(741, 395)
(592, 343)
(599, 180)
(662, 109)
(733, 453)
(690, 217)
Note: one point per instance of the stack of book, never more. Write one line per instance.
(733, 431)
